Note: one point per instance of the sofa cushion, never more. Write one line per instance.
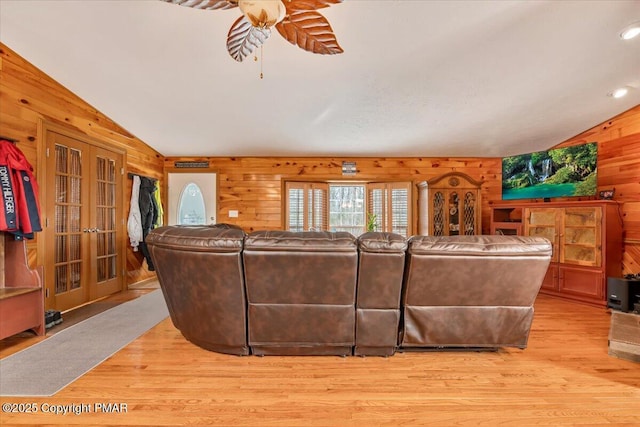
(194, 238)
(306, 241)
(480, 245)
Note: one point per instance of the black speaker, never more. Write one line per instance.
(623, 294)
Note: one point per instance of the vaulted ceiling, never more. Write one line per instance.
(417, 78)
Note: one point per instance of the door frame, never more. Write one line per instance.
(171, 168)
(43, 129)
(170, 206)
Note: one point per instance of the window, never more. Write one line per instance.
(390, 203)
(191, 209)
(306, 206)
(345, 206)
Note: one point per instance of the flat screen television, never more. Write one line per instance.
(560, 172)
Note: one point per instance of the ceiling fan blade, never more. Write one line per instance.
(310, 31)
(206, 4)
(297, 5)
(243, 38)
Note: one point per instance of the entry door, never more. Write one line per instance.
(84, 229)
(192, 198)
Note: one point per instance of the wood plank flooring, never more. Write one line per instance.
(564, 378)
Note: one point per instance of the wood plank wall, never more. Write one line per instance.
(253, 185)
(28, 96)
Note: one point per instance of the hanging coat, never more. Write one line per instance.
(134, 222)
(19, 198)
(148, 214)
(156, 197)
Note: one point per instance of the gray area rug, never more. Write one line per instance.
(50, 365)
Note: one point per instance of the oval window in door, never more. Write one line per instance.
(191, 210)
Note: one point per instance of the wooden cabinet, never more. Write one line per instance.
(21, 296)
(587, 244)
(450, 206)
(507, 221)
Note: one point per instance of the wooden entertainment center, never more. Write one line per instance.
(586, 238)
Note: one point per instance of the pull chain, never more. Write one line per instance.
(255, 58)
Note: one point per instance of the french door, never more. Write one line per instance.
(84, 222)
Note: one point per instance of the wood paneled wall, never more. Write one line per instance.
(28, 97)
(253, 185)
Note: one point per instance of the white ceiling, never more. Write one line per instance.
(417, 78)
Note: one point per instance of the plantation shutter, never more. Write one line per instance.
(390, 202)
(306, 206)
(377, 205)
(400, 209)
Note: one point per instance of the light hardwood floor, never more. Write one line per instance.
(564, 378)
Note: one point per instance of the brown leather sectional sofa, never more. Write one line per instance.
(330, 293)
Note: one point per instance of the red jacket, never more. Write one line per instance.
(18, 193)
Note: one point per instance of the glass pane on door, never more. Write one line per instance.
(191, 207)
(106, 255)
(67, 249)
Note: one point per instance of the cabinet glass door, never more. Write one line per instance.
(542, 222)
(581, 238)
(438, 214)
(454, 214)
(469, 214)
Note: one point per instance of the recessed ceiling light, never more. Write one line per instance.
(630, 31)
(619, 93)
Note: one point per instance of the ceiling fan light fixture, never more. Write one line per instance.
(263, 13)
(630, 31)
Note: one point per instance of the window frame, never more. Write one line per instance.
(389, 186)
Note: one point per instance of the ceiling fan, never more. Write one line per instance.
(298, 21)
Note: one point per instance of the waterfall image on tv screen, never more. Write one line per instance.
(561, 172)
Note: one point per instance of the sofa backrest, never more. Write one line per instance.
(472, 291)
(475, 270)
(202, 278)
(380, 270)
(301, 289)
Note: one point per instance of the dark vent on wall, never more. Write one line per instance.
(191, 164)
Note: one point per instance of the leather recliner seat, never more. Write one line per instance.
(380, 270)
(471, 291)
(301, 290)
(201, 275)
